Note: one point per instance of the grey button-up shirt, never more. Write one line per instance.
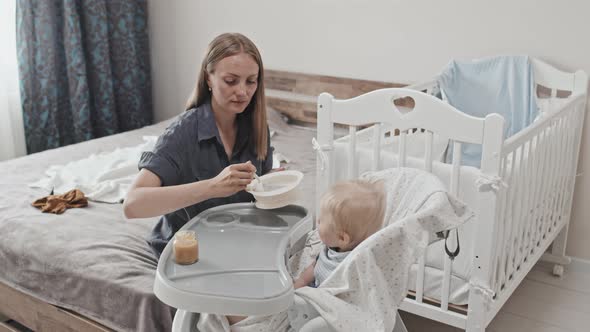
(191, 150)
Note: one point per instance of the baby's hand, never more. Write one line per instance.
(305, 278)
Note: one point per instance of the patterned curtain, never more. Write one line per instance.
(84, 69)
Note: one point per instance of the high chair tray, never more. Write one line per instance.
(242, 267)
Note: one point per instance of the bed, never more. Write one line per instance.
(90, 261)
(90, 269)
(521, 194)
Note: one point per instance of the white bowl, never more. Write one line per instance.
(280, 189)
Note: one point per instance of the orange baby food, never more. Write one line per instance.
(186, 247)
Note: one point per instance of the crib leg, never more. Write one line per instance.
(475, 313)
(560, 242)
(557, 255)
(399, 324)
(475, 326)
(558, 249)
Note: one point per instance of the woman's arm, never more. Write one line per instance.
(147, 198)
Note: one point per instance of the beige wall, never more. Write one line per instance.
(388, 40)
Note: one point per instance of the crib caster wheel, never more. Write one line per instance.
(558, 270)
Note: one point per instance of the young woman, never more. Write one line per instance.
(208, 156)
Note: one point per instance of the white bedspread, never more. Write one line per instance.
(365, 290)
(103, 177)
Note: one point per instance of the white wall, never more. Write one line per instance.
(401, 41)
(12, 132)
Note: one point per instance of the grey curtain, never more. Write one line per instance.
(84, 69)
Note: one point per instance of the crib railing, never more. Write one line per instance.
(538, 166)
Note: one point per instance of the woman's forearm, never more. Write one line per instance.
(144, 202)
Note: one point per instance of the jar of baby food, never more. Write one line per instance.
(186, 247)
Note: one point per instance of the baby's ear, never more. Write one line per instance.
(345, 239)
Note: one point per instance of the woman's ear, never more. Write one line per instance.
(208, 81)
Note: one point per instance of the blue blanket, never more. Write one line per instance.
(503, 85)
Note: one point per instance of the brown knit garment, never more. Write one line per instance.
(59, 203)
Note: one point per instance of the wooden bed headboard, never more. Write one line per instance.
(295, 94)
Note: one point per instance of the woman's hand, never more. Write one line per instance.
(232, 179)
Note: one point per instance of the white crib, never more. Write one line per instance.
(526, 182)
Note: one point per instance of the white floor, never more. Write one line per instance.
(542, 303)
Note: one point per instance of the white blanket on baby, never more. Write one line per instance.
(365, 290)
(103, 177)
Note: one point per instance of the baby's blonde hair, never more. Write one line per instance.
(356, 207)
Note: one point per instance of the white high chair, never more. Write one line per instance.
(242, 268)
(242, 265)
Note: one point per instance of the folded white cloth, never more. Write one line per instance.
(103, 177)
(365, 290)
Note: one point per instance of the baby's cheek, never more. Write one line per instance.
(322, 234)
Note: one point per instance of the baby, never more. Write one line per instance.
(350, 212)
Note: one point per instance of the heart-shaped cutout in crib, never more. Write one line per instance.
(403, 105)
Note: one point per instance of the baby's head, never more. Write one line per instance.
(350, 212)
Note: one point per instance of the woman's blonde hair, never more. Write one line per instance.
(356, 207)
(223, 46)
